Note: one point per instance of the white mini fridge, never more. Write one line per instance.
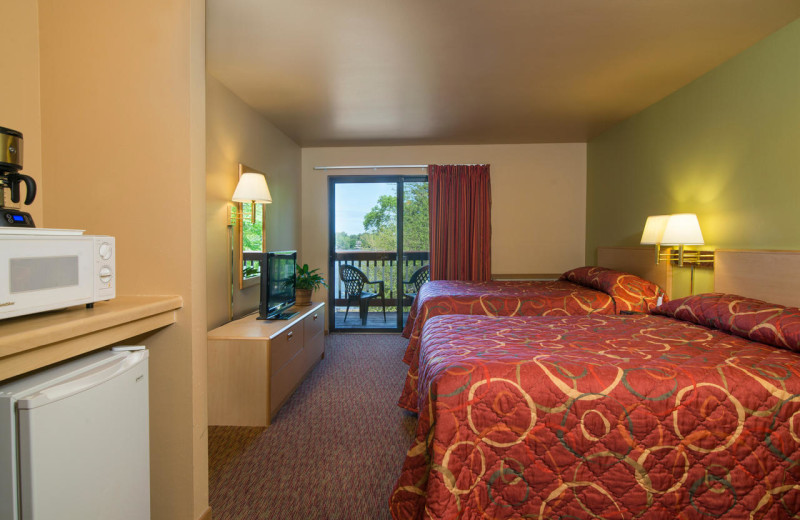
(74, 441)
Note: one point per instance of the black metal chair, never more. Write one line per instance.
(354, 281)
(417, 280)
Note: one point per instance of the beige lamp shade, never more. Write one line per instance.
(682, 229)
(252, 187)
(654, 229)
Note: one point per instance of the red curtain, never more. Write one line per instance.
(460, 222)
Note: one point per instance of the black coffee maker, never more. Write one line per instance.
(11, 179)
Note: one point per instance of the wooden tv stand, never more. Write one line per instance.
(254, 366)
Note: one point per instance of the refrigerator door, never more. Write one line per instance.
(20, 388)
(84, 445)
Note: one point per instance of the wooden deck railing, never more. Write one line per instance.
(378, 265)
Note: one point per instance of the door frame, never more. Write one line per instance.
(399, 181)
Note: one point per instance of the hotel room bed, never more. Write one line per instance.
(585, 290)
(692, 414)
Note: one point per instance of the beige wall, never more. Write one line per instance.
(19, 89)
(237, 134)
(123, 148)
(538, 198)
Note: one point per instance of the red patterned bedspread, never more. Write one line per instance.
(494, 298)
(501, 298)
(600, 417)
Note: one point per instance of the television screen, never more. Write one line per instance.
(277, 284)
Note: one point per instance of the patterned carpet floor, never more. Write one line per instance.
(335, 449)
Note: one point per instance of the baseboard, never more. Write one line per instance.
(206, 514)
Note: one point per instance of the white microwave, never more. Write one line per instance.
(41, 272)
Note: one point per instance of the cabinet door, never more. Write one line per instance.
(288, 365)
(237, 382)
(285, 346)
(314, 325)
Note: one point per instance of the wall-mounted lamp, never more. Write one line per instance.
(252, 188)
(683, 230)
(680, 230)
(653, 231)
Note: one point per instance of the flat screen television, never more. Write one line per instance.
(277, 285)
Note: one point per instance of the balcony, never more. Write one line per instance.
(377, 266)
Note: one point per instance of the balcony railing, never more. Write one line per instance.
(377, 265)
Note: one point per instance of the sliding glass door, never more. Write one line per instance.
(378, 242)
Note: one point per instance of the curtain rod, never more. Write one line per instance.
(376, 167)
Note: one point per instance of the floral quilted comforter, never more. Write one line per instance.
(501, 298)
(617, 417)
(585, 290)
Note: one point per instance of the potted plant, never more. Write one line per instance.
(306, 282)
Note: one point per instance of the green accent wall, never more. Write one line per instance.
(726, 146)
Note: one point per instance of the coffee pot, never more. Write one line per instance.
(11, 178)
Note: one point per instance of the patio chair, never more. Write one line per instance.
(415, 283)
(354, 281)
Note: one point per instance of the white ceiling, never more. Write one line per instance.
(369, 72)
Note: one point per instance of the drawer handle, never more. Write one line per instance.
(290, 334)
(315, 316)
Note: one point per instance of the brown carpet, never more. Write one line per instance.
(335, 449)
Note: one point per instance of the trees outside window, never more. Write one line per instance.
(380, 223)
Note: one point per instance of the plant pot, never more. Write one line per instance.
(302, 297)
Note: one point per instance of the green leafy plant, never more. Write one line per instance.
(249, 271)
(308, 279)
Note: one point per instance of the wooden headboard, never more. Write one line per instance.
(640, 261)
(772, 276)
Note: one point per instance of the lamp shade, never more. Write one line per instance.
(682, 229)
(252, 187)
(654, 229)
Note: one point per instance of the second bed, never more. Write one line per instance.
(689, 415)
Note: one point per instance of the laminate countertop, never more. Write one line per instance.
(31, 342)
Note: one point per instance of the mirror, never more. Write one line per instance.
(251, 237)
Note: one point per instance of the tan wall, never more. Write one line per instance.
(123, 114)
(19, 89)
(238, 134)
(538, 199)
